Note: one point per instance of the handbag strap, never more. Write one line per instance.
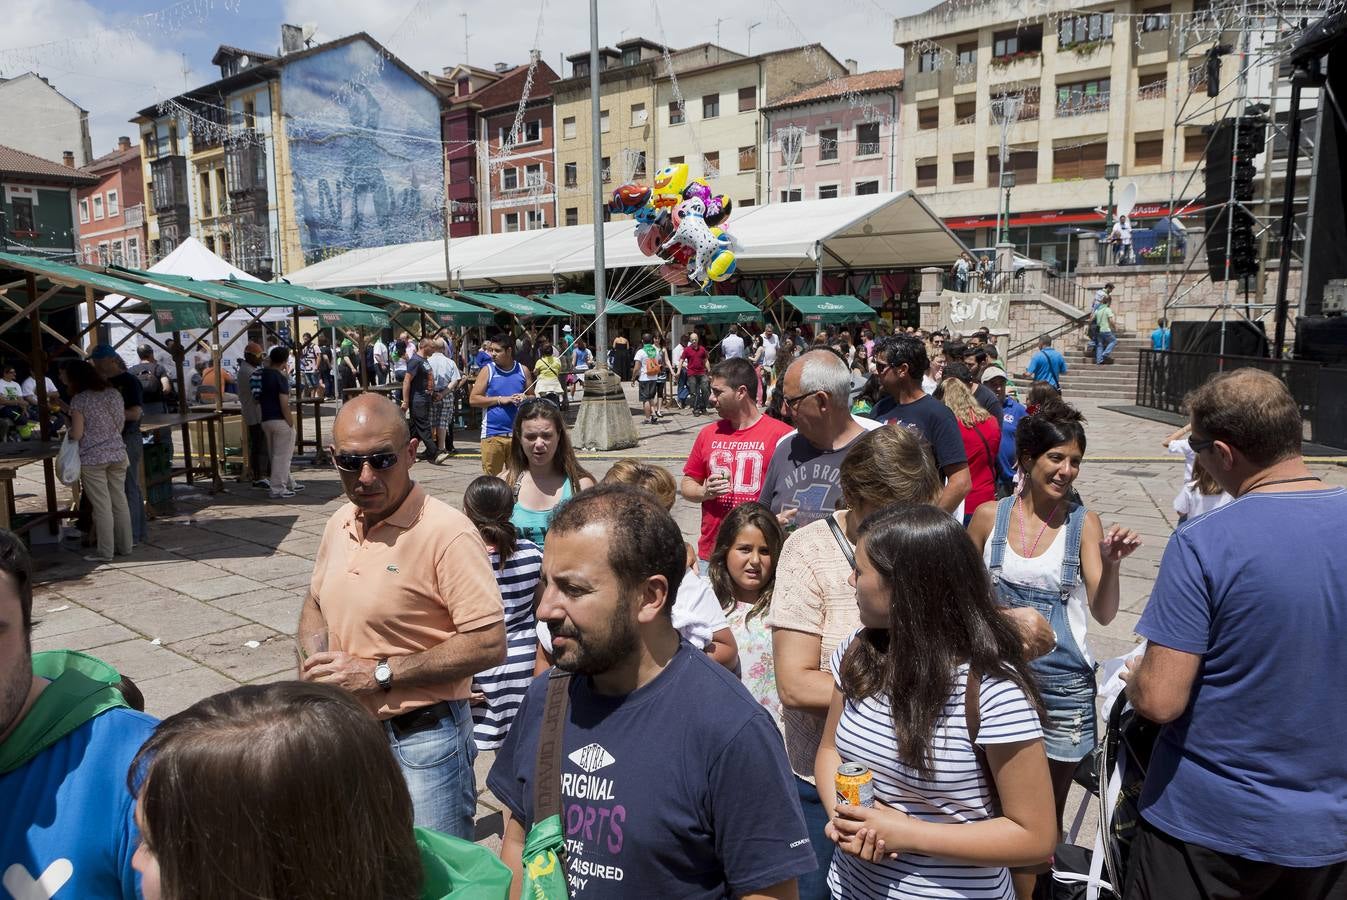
(842, 540)
(991, 460)
(547, 770)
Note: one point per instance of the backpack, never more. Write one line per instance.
(652, 365)
(149, 382)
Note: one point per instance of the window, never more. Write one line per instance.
(866, 187)
(1194, 146)
(98, 207)
(748, 99)
(1082, 97)
(675, 113)
(603, 121)
(463, 87)
(204, 178)
(1152, 86)
(84, 211)
(710, 106)
(928, 117)
(867, 139)
(572, 174)
(88, 257)
(965, 111)
(23, 213)
(827, 144)
(1021, 42)
(638, 115)
(926, 174)
(711, 164)
(794, 195)
(536, 219)
(748, 158)
(676, 160)
(1155, 19)
(510, 221)
(747, 202)
(1024, 163)
(210, 244)
(509, 178)
(149, 145)
(790, 147)
(605, 170)
(133, 252)
(1150, 150)
(113, 208)
(827, 192)
(103, 253)
(221, 191)
(533, 132)
(580, 69)
(118, 255)
(1084, 29)
(963, 171)
(1028, 98)
(249, 122)
(572, 215)
(968, 53)
(568, 128)
(638, 170)
(1079, 161)
(533, 175)
(631, 57)
(928, 61)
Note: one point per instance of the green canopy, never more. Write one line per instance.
(715, 309)
(586, 305)
(445, 310)
(171, 311)
(833, 309)
(219, 291)
(330, 309)
(510, 303)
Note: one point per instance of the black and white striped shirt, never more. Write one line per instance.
(504, 685)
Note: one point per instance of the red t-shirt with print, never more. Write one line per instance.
(743, 455)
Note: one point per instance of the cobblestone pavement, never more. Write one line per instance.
(211, 600)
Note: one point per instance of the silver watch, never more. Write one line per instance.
(383, 674)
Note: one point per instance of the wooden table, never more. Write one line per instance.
(160, 421)
(319, 448)
(14, 457)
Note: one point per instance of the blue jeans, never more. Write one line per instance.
(1104, 345)
(814, 885)
(436, 761)
(135, 449)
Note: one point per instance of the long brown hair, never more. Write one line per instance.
(487, 503)
(960, 400)
(941, 614)
(747, 515)
(564, 461)
(276, 790)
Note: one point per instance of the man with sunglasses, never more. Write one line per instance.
(406, 609)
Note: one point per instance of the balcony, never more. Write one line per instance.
(1082, 106)
(169, 174)
(1017, 66)
(246, 164)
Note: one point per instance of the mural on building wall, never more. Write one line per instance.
(364, 152)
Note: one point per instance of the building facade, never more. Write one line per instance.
(710, 115)
(287, 159)
(112, 212)
(461, 156)
(1091, 86)
(37, 205)
(836, 139)
(38, 119)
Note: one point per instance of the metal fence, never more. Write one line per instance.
(994, 281)
(1164, 379)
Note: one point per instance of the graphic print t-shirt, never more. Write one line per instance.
(743, 456)
(803, 477)
(678, 789)
(69, 823)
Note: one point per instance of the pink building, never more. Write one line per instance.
(112, 212)
(836, 139)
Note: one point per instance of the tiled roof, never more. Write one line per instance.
(113, 159)
(229, 49)
(865, 82)
(511, 86)
(16, 162)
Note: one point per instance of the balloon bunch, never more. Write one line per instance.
(681, 221)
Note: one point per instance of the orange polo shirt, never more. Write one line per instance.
(418, 577)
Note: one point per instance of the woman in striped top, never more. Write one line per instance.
(517, 562)
(960, 782)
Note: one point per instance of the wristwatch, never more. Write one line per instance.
(383, 674)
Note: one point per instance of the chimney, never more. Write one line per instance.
(502, 68)
(123, 143)
(535, 55)
(852, 66)
(292, 39)
(68, 157)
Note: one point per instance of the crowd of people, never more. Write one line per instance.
(906, 586)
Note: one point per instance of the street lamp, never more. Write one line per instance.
(1007, 182)
(1110, 175)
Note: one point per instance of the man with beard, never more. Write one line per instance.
(67, 739)
(673, 780)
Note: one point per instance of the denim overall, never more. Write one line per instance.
(1065, 677)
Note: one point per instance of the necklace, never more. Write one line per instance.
(1028, 554)
(1270, 483)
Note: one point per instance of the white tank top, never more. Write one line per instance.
(1045, 573)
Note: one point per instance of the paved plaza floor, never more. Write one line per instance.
(211, 600)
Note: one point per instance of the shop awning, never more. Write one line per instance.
(715, 310)
(833, 309)
(586, 305)
(171, 311)
(445, 310)
(330, 309)
(220, 292)
(510, 303)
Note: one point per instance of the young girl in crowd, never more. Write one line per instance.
(543, 471)
(581, 359)
(517, 562)
(934, 697)
(1045, 552)
(981, 442)
(1200, 492)
(742, 573)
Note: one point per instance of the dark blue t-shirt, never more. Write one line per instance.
(1011, 413)
(678, 789)
(931, 420)
(275, 393)
(1255, 765)
(68, 814)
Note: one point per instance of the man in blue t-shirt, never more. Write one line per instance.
(1244, 793)
(1047, 364)
(68, 831)
(1011, 413)
(673, 779)
(1161, 338)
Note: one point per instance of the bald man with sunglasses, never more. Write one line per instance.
(403, 610)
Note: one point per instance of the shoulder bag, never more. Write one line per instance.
(842, 541)
(544, 856)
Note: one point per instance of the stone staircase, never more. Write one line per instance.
(1114, 381)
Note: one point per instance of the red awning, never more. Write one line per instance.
(1071, 216)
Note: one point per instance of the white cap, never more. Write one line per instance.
(993, 372)
(566, 328)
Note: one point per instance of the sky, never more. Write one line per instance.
(115, 58)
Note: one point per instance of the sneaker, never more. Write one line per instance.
(282, 495)
(443, 457)
(296, 486)
(262, 484)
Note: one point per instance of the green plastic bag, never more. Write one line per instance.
(544, 874)
(456, 869)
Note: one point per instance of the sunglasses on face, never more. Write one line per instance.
(355, 462)
(1200, 445)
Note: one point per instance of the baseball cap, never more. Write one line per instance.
(991, 373)
(103, 351)
(566, 328)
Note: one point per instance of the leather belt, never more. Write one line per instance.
(422, 719)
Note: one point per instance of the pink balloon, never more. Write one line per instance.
(674, 273)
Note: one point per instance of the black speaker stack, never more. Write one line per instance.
(1233, 146)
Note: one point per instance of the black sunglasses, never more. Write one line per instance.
(1200, 445)
(355, 462)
